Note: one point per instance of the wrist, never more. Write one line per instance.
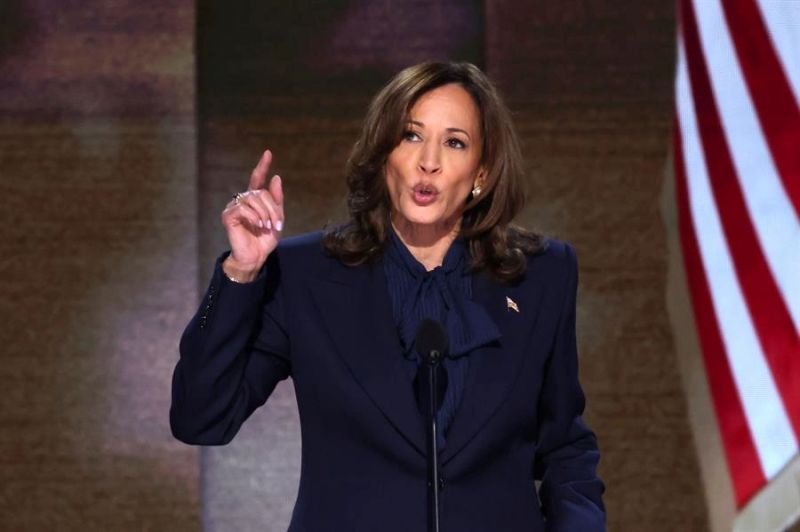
(238, 272)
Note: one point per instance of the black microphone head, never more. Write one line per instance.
(431, 337)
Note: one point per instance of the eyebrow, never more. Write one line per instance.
(450, 129)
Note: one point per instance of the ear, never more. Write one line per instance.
(480, 179)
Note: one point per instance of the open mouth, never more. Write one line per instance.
(424, 194)
(425, 190)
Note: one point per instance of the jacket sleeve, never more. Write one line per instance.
(233, 353)
(567, 452)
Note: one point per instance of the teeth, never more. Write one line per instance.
(425, 190)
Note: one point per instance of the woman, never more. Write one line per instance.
(434, 183)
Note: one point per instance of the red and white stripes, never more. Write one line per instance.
(737, 167)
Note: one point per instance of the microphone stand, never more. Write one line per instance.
(432, 362)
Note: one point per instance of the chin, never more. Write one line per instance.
(424, 217)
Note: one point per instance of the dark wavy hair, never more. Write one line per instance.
(495, 245)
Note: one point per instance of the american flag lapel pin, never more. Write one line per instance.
(512, 305)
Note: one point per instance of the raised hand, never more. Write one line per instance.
(253, 221)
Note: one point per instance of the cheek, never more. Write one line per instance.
(391, 180)
(463, 185)
(393, 171)
(393, 187)
(461, 195)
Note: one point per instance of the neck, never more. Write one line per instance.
(428, 244)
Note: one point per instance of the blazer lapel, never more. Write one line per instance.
(354, 304)
(492, 369)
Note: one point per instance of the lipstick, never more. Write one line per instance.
(424, 194)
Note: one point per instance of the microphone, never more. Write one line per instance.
(432, 345)
(431, 341)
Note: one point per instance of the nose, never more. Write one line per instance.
(430, 158)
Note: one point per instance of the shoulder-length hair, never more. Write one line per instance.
(495, 245)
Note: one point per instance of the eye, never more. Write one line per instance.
(410, 135)
(456, 143)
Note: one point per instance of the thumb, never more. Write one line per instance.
(276, 189)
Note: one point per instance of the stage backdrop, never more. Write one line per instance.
(98, 243)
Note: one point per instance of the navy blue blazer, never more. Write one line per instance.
(330, 327)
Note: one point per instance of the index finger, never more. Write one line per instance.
(258, 178)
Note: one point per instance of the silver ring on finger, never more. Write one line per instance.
(237, 198)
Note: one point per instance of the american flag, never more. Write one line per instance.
(737, 183)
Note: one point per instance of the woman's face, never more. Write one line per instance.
(431, 173)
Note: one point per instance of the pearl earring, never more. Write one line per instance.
(476, 191)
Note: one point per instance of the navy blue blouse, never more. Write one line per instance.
(443, 294)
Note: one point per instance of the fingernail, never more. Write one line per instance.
(279, 225)
(261, 224)
(269, 224)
